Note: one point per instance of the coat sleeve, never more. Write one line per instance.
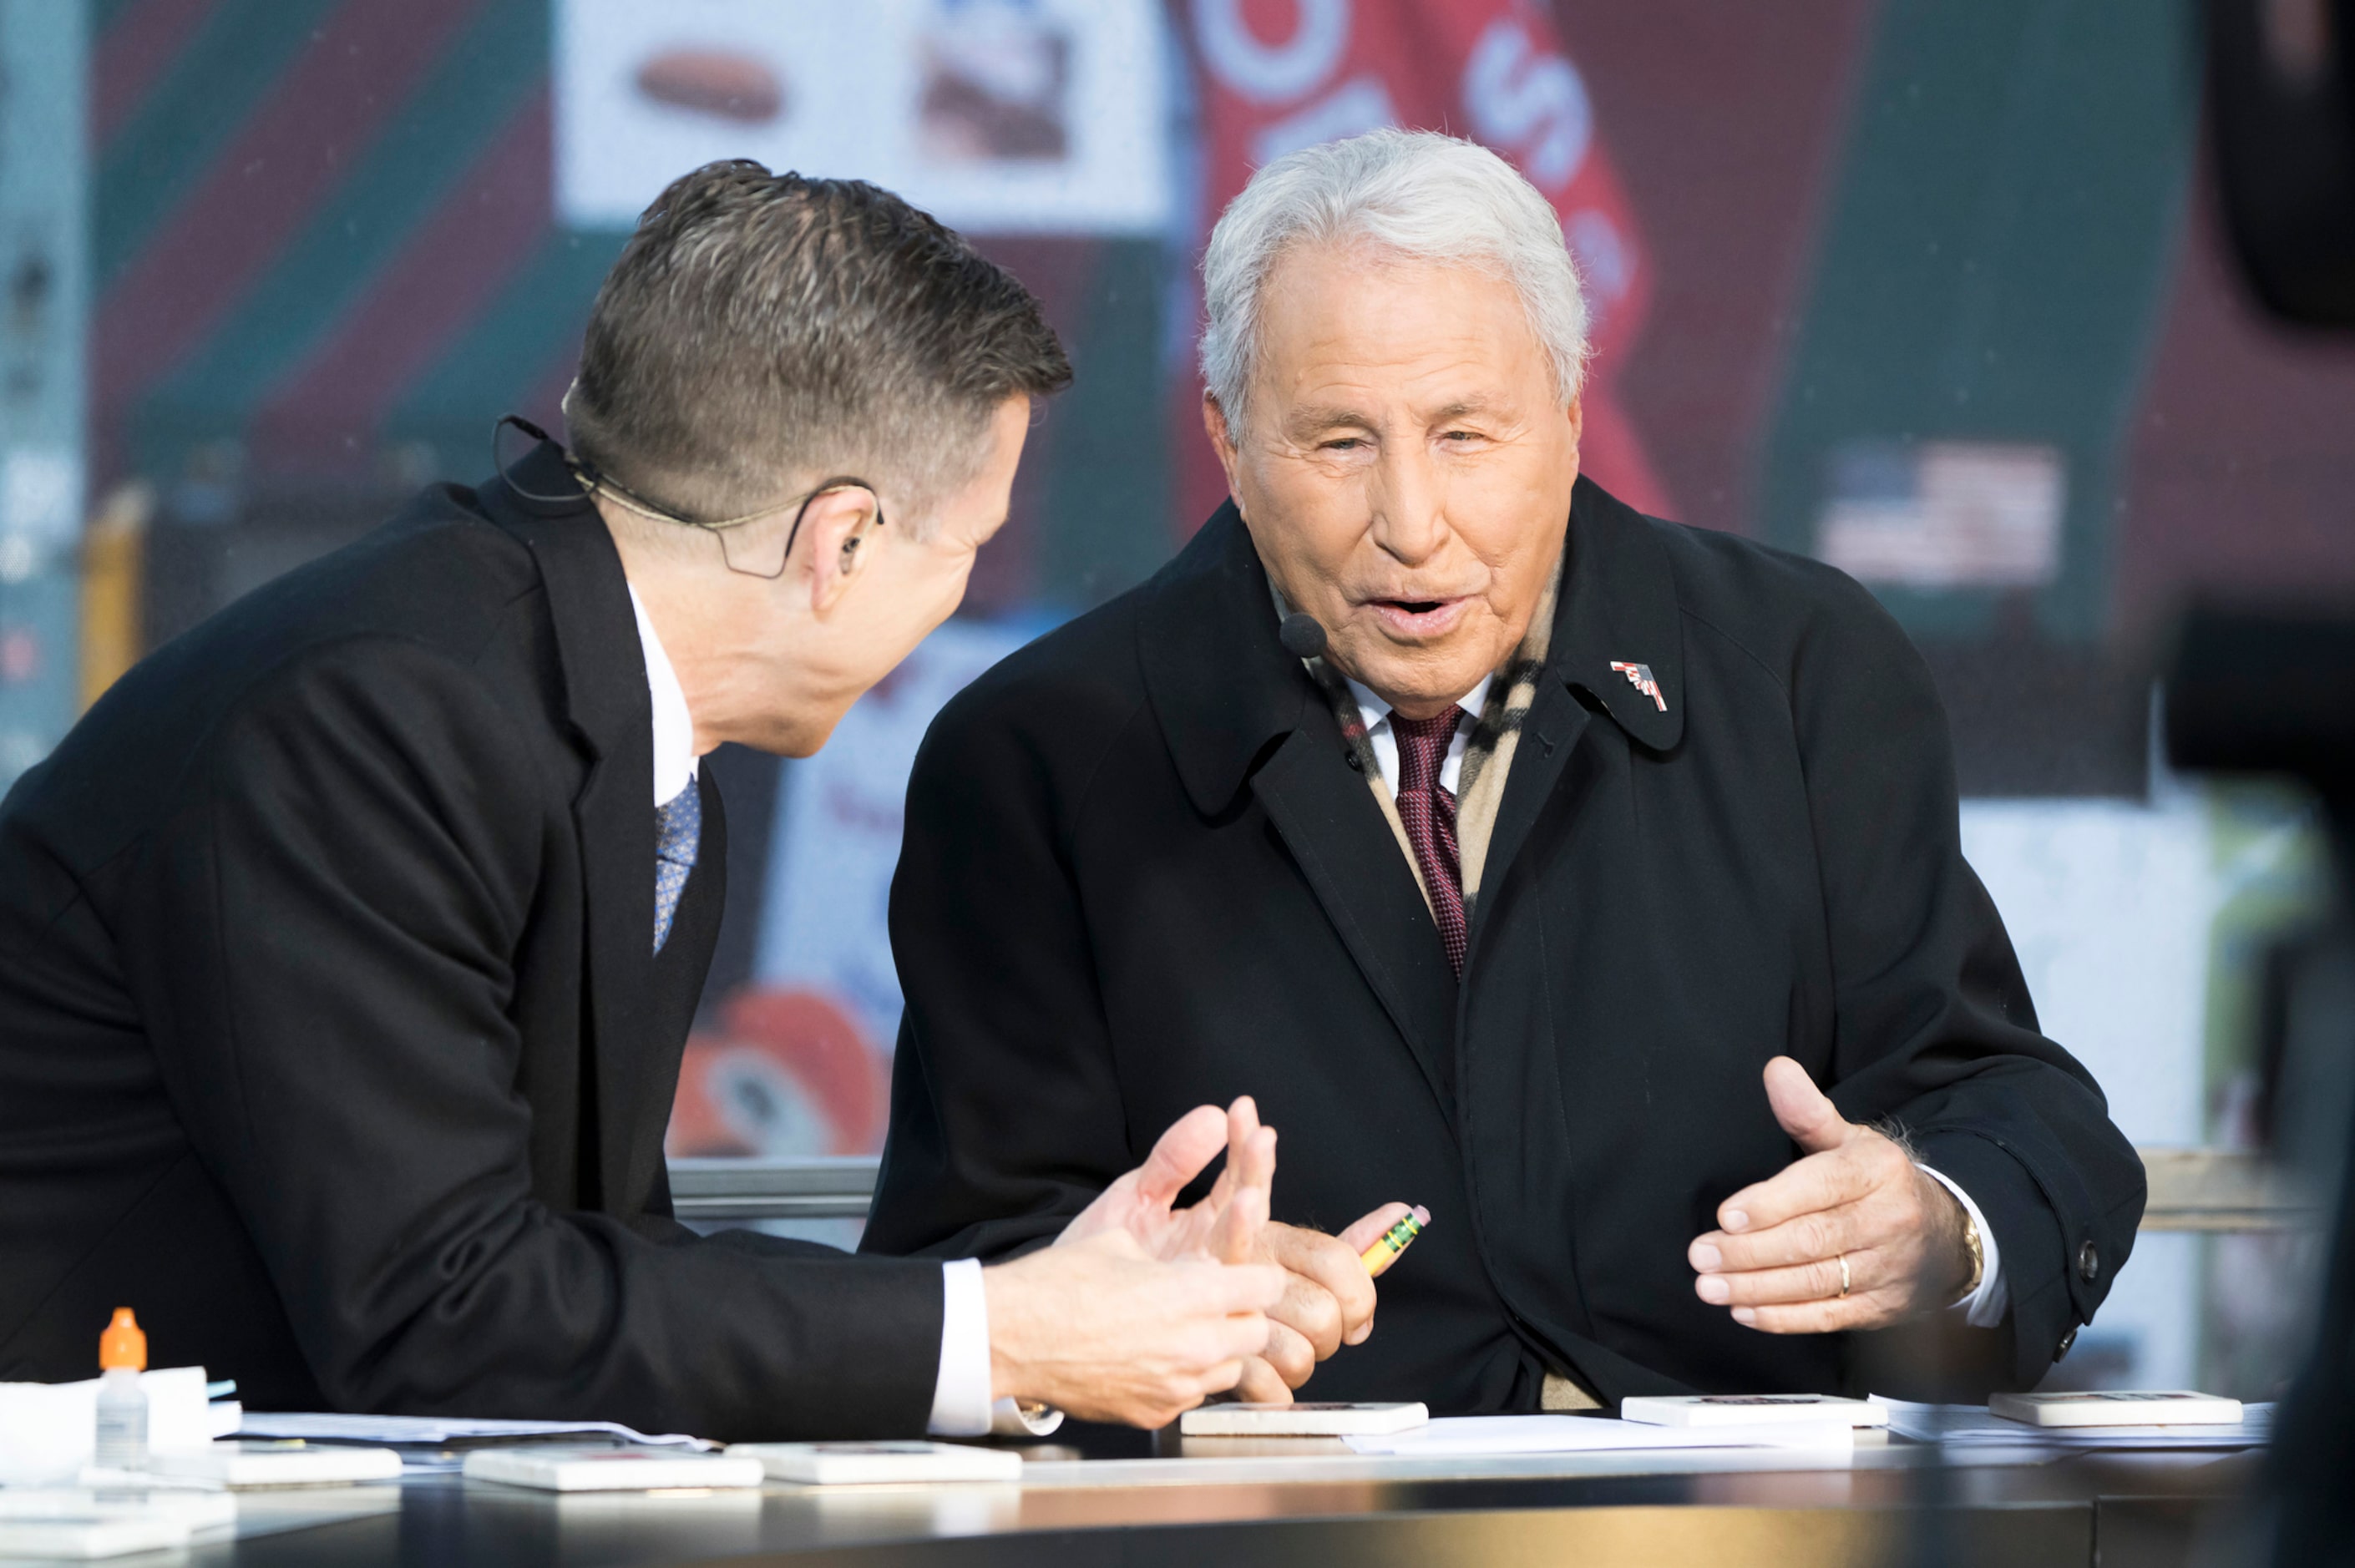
(1934, 1028)
(1006, 1115)
(326, 963)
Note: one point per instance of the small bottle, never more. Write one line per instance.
(121, 1403)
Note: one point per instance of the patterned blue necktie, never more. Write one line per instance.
(678, 829)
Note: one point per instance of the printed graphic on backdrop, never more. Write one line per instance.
(44, 254)
(1273, 76)
(788, 1073)
(1945, 515)
(995, 115)
(801, 1062)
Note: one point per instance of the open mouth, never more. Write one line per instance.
(1418, 617)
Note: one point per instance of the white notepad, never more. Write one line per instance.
(1969, 1427)
(870, 1464)
(1465, 1435)
(274, 1464)
(87, 1505)
(84, 1540)
(2117, 1407)
(1749, 1410)
(1303, 1420)
(563, 1468)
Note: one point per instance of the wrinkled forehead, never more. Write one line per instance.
(1343, 329)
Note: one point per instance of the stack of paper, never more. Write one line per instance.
(1465, 1435)
(293, 1463)
(431, 1441)
(1970, 1427)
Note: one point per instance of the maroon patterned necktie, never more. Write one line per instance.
(1428, 812)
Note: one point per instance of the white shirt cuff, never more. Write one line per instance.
(960, 1401)
(1983, 1308)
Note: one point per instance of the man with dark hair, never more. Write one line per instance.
(348, 946)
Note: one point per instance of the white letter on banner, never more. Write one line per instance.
(1356, 106)
(1278, 74)
(1536, 106)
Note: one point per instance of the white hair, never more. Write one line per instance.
(1415, 194)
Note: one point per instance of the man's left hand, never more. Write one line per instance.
(1854, 1210)
(1328, 1302)
(1226, 1225)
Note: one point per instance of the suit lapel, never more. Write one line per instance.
(1239, 712)
(1335, 830)
(1550, 734)
(612, 714)
(1617, 608)
(1618, 634)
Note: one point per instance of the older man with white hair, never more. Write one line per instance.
(1592, 880)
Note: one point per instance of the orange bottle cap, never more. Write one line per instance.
(123, 1345)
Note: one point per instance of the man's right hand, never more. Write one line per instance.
(1098, 1329)
(1141, 1309)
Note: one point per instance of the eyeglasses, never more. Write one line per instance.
(594, 483)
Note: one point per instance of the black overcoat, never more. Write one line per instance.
(330, 1036)
(1140, 875)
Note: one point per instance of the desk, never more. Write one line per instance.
(1596, 1511)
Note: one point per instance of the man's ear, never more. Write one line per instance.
(837, 528)
(1577, 422)
(1222, 441)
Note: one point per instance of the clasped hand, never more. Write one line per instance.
(1851, 1235)
(1141, 1308)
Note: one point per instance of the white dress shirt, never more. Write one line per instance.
(961, 1403)
(1983, 1308)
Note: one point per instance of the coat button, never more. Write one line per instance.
(2089, 1263)
(2061, 1349)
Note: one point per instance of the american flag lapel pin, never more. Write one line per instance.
(1640, 677)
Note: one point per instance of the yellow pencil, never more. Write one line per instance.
(1392, 1242)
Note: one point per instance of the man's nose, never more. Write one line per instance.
(1409, 498)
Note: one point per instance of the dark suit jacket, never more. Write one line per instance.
(1139, 875)
(329, 1037)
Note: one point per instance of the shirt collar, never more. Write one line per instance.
(1375, 710)
(675, 763)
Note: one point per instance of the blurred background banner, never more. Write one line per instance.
(44, 263)
(996, 116)
(1272, 79)
(1932, 289)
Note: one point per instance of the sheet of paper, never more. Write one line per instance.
(438, 1431)
(1970, 1427)
(1470, 1435)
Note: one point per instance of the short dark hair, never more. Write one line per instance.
(758, 325)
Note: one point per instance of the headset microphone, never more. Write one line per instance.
(1301, 635)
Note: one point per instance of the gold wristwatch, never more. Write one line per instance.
(1977, 1252)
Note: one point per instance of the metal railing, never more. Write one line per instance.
(2190, 1190)
(814, 1188)
(2221, 1190)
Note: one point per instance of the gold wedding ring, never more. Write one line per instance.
(1843, 1263)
